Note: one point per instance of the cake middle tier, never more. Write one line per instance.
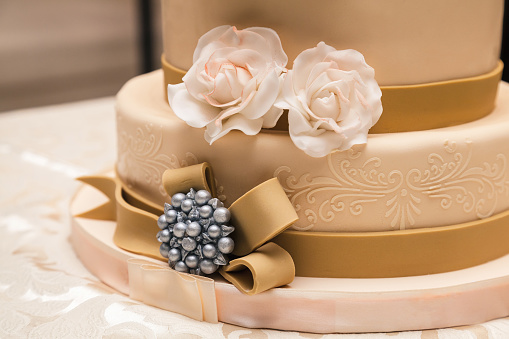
(397, 181)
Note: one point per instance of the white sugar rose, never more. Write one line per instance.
(235, 79)
(333, 100)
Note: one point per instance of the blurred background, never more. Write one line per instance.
(54, 51)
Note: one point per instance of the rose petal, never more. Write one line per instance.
(194, 112)
(315, 143)
(246, 57)
(237, 122)
(320, 69)
(327, 106)
(287, 97)
(222, 93)
(272, 116)
(264, 98)
(305, 62)
(208, 38)
(196, 82)
(349, 60)
(276, 49)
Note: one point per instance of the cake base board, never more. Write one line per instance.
(465, 297)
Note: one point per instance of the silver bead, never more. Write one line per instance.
(213, 231)
(221, 215)
(174, 255)
(206, 211)
(181, 267)
(192, 261)
(207, 266)
(177, 199)
(164, 249)
(209, 251)
(188, 244)
(225, 245)
(171, 216)
(164, 235)
(202, 197)
(186, 205)
(179, 230)
(193, 229)
(161, 222)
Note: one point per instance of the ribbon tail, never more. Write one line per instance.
(160, 286)
(268, 267)
(107, 186)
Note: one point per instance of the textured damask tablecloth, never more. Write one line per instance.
(45, 292)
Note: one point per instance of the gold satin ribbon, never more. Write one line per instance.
(397, 253)
(415, 107)
(258, 216)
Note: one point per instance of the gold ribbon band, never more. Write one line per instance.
(397, 253)
(416, 107)
(136, 228)
(266, 267)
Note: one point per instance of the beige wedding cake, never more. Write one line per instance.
(385, 124)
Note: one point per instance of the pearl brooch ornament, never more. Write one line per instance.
(194, 233)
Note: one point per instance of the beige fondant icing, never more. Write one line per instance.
(397, 181)
(406, 42)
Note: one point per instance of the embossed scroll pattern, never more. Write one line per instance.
(143, 163)
(141, 160)
(449, 178)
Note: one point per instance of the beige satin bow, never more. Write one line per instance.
(258, 216)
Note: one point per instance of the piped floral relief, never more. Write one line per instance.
(449, 178)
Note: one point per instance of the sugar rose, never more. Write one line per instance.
(234, 82)
(332, 98)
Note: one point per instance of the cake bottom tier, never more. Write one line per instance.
(319, 305)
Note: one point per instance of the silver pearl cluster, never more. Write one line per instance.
(194, 233)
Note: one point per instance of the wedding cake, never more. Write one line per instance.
(384, 124)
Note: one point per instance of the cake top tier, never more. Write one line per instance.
(405, 41)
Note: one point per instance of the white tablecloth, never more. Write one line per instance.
(45, 292)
